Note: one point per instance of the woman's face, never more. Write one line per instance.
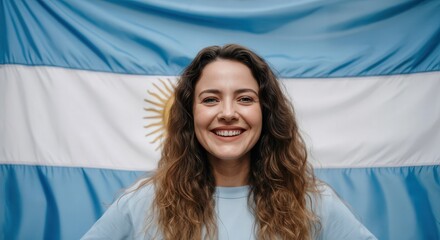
(227, 111)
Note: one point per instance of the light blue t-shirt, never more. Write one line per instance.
(126, 218)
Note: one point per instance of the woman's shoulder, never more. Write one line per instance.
(125, 217)
(326, 202)
(141, 186)
(326, 193)
(141, 190)
(337, 219)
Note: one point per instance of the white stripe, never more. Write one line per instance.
(63, 117)
(370, 121)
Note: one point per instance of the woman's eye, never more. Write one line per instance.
(209, 100)
(246, 100)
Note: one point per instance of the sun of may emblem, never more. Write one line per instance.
(160, 98)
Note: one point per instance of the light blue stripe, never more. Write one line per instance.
(300, 39)
(41, 202)
(394, 203)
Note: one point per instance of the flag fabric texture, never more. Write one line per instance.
(85, 89)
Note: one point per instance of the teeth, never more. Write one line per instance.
(228, 133)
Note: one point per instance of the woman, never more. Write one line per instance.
(233, 165)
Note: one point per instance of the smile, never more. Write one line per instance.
(228, 133)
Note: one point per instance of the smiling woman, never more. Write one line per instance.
(233, 165)
(227, 119)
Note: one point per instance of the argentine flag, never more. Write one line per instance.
(86, 86)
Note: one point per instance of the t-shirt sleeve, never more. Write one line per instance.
(338, 222)
(115, 223)
(126, 217)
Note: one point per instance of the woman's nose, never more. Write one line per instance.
(228, 112)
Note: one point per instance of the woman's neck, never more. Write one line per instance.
(231, 173)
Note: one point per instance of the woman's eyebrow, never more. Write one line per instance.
(241, 90)
(216, 91)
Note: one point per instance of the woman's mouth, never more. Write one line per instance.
(228, 133)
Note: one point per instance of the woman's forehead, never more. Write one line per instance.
(226, 74)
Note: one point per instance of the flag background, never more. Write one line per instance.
(364, 78)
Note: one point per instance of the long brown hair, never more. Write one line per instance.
(280, 178)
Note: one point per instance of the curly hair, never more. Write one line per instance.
(280, 178)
